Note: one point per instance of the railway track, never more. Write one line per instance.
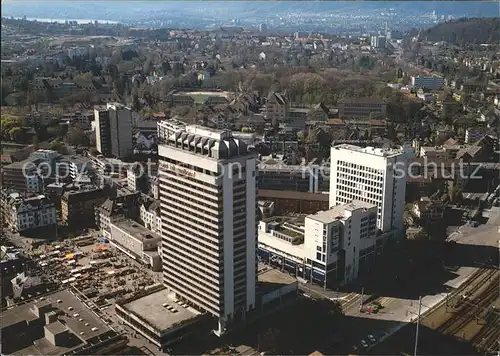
(470, 309)
(488, 337)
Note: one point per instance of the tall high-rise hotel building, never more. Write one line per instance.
(372, 175)
(208, 211)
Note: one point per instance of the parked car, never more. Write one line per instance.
(364, 344)
(372, 338)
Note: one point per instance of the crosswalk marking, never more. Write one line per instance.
(386, 301)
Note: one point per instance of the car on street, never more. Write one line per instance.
(372, 338)
(364, 344)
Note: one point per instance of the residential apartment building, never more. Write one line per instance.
(154, 187)
(277, 108)
(120, 123)
(427, 82)
(150, 215)
(137, 178)
(318, 113)
(373, 175)
(429, 209)
(79, 166)
(208, 214)
(78, 207)
(361, 107)
(102, 130)
(118, 208)
(474, 134)
(21, 213)
(330, 247)
(167, 127)
(377, 41)
(114, 130)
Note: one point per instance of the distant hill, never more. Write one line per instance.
(463, 31)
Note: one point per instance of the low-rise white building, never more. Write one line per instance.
(136, 241)
(330, 247)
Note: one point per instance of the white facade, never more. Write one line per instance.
(133, 237)
(79, 168)
(32, 213)
(208, 215)
(143, 142)
(373, 175)
(132, 177)
(136, 241)
(337, 245)
(343, 238)
(151, 219)
(154, 187)
(427, 82)
(472, 134)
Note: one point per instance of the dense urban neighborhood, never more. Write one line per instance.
(325, 184)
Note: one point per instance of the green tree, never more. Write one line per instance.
(36, 142)
(16, 134)
(269, 340)
(136, 104)
(165, 66)
(7, 123)
(58, 146)
(56, 131)
(76, 136)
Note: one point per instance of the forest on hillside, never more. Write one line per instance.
(466, 31)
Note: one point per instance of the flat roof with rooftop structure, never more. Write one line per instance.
(22, 334)
(380, 152)
(138, 231)
(202, 96)
(154, 309)
(275, 243)
(327, 216)
(289, 194)
(56, 327)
